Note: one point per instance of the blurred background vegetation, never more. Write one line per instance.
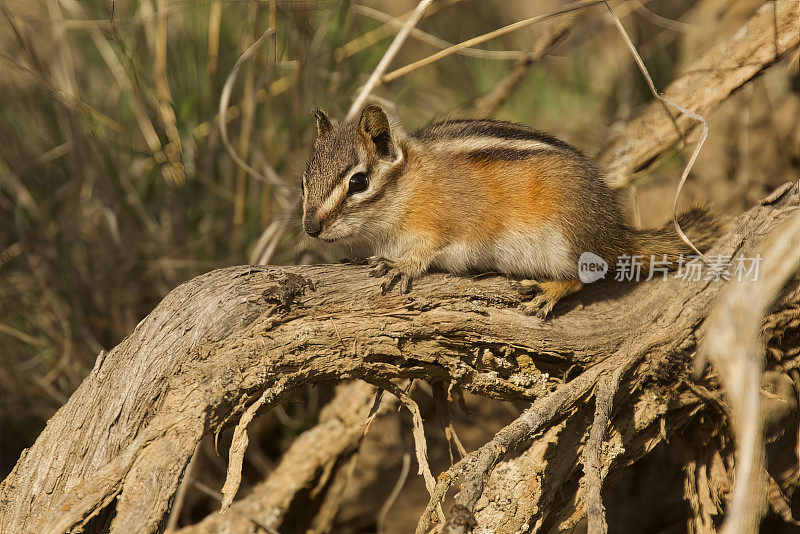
(115, 185)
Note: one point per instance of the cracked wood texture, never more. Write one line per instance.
(218, 342)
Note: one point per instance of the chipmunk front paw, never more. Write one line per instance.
(391, 274)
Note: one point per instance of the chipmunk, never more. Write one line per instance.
(472, 196)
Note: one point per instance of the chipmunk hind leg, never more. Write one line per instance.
(550, 292)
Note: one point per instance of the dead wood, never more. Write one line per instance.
(636, 357)
(219, 343)
(244, 336)
(487, 105)
(343, 423)
(226, 344)
(655, 413)
(735, 348)
(708, 81)
(440, 397)
(592, 453)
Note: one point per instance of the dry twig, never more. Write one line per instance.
(443, 409)
(488, 105)
(271, 177)
(707, 82)
(383, 64)
(420, 443)
(435, 41)
(341, 428)
(402, 71)
(398, 487)
(592, 453)
(696, 116)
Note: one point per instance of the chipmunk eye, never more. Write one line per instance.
(358, 183)
(302, 188)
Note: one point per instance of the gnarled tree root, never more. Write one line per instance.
(247, 336)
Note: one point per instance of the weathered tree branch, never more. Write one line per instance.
(236, 336)
(342, 425)
(592, 453)
(660, 405)
(642, 347)
(227, 344)
(708, 81)
(735, 347)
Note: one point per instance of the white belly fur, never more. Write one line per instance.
(536, 252)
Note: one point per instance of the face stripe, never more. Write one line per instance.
(387, 183)
(333, 199)
(333, 203)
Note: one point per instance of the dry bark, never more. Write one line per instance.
(227, 343)
(735, 348)
(224, 341)
(217, 342)
(646, 414)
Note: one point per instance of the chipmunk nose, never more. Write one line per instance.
(312, 223)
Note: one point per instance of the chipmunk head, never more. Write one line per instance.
(350, 169)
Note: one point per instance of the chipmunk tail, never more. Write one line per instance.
(699, 224)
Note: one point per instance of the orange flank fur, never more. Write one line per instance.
(479, 200)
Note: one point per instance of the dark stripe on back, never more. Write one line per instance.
(459, 128)
(504, 154)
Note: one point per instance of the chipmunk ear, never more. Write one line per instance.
(374, 124)
(324, 124)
